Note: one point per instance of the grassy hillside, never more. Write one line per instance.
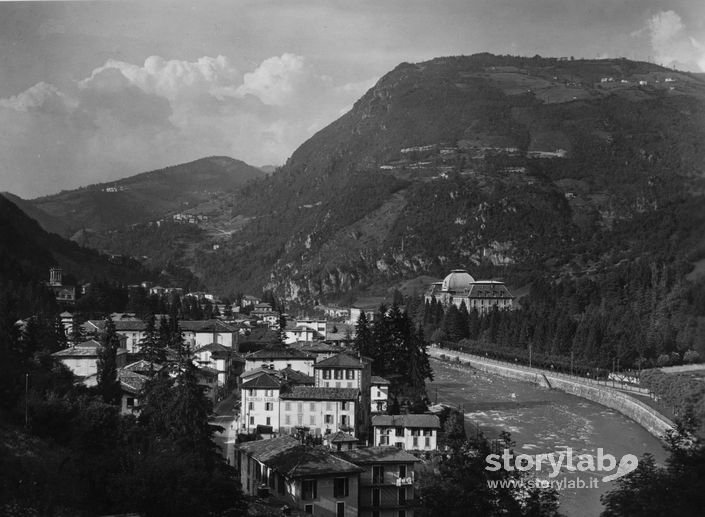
(146, 197)
(471, 162)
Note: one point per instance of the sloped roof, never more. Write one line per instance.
(132, 382)
(296, 377)
(339, 361)
(205, 326)
(143, 366)
(84, 349)
(264, 450)
(291, 459)
(303, 460)
(264, 381)
(342, 437)
(414, 421)
(388, 454)
(488, 289)
(212, 347)
(278, 352)
(376, 379)
(311, 393)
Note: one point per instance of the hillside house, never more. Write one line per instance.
(82, 359)
(410, 432)
(309, 479)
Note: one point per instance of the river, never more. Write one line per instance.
(542, 421)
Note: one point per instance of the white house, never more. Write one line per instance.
(259, 403)
(339, 371)
(321, 410)
(410, 432)
(216, 356)
(82, 359)
(200, 333)
(279, 358)
(379, 394)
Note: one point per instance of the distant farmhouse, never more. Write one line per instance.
(459, 287)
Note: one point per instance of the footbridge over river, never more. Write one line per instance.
(610, 394)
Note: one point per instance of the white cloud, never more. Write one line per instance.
(278, 79)
(127, 118)
(41, 96)
(671, 42)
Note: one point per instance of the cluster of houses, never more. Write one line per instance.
(309, 429)
(326, 445)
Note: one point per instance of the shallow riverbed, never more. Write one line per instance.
(544, 421)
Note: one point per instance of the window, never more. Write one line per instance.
(399, 431)
(308, 489)
(269, 406)
(402, 471)
(375, 497)
(427, 441)
(287, 406)
(250, 406)
(326, 374)
(338, 374)
(340, 510)
(340, 487)
(402, 495)
(416, 441)
(377, 474)
(250, 393)
(343, 406)
(130, 402)
(402, 513)
(252, 420)
(379, 394)
(384, 440)
(312, 406)
(329, 406)
(287, 420)
(300, 407)
(350, 374)
(312, 420)
(328, 419)
(308, 509)
(269, 421)
(344, 420)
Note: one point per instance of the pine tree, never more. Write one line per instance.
(363, 336)
(150, 345)
(108, 383)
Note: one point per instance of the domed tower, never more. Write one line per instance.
(458, 280)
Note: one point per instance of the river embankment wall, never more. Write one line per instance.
(644, 415)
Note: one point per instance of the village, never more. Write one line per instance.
(303, 420)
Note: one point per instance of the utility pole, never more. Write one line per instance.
(529, 356)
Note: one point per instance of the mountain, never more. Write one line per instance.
(507, 166)
(142, 198)
(27, 252)
(503, 165)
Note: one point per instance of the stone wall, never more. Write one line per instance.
(644, 415)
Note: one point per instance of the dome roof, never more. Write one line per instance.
(458, 280)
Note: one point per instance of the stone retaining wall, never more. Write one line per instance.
(644, 415)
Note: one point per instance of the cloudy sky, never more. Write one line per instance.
(96, 91)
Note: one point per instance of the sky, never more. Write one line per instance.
(92, 92)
